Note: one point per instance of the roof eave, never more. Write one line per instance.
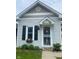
(35, 3)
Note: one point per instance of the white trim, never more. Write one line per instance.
(34, 4)
(51, 36)
(26, 33)
(46, 19)
(35, 14)
(43, 39)
(33, 34)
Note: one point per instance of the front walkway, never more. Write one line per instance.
(50, 55)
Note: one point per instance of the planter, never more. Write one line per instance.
(29, 40)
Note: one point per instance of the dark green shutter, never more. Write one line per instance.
(23, 32)
(36, 32)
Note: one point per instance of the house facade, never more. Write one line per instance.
(39, 25)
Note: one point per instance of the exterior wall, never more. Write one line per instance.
(56, 31)
(32, 20)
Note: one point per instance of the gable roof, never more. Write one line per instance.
(47, 18)
(34, 4)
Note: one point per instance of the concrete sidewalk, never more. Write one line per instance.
(51, 55)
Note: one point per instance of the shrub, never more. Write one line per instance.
(31, 47)
(57, 47)
(24, 46)
(36, 48)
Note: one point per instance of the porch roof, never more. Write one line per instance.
(47, 21)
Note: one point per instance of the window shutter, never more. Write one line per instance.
(16, 35)
(24, 33)
(36, 32)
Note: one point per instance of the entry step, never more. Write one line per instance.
(48, 49)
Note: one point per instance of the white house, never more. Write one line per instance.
(39, 25)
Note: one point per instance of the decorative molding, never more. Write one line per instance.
(46, 19)
(34, 4)
(35, 14)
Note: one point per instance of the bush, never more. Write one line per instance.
(36, 48)
(31, 47)
(24, 46)
(57, 47)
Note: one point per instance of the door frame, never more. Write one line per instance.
(51, 41)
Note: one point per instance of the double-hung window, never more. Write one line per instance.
(30, 32)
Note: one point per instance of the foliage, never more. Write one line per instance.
(57, 47)
(24, 46)
(30, 47)
(58, 57)
(36, 48)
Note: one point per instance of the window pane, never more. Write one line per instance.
(46, 30)
(30, 31)
(46, 40)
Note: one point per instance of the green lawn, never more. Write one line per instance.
(28, 54)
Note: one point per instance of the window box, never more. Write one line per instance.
(29, 40)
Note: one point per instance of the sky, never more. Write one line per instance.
(22, 4)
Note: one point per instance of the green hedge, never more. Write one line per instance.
(30, 47)
(24, 46)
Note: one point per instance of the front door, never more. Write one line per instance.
(46, 36)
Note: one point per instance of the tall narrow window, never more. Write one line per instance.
(23, 32)
(30, 32)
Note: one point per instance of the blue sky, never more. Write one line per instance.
(22, 4)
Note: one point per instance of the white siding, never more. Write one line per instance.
(32, 20)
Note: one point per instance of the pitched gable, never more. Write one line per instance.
(38, 9)
(36, 6)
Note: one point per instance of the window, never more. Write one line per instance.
(30, 32)
(46, 30)
(46, 40)
(23, 32)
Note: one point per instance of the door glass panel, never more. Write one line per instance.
(46, 33)
(46, 40)
(46, 30)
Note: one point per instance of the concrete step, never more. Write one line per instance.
(47, 49)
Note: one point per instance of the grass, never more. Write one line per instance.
(28, 54)
(58, 57)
